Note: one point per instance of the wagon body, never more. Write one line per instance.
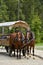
(4, 42)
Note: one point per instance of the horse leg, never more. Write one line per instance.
(14, 52)
(27, 51)
(10, 51)
(6, 47)
(23, 51)
(17, 53)
(30, 52)
(20, 54)
(33, 52)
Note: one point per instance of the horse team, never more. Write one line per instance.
(20, 43)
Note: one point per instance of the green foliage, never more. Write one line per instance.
(3, 11)
(36, 26)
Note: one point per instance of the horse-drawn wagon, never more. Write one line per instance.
(14, 40)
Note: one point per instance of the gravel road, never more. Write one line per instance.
(6, 60)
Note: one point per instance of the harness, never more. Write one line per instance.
(21, 40)
(15, 39)
(30, 39)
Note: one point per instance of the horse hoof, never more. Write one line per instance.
(14, 55)
(24, 56)
(34, 58)
(29, 55)
(19, 57)
(27, 58)
(10, 55)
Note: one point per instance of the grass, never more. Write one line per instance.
(39, 44)
(40, 48)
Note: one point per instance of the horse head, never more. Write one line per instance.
(19, 36)
(28, 35)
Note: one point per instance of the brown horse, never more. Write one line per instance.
(16, 43)
(30, 40)
(12, 40)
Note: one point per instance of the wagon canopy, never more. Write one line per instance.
(15, 24)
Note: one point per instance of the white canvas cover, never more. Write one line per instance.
(15, 24)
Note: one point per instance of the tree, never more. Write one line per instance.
(36, 27)
(3, 11)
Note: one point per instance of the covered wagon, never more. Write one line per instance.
(4, 38)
